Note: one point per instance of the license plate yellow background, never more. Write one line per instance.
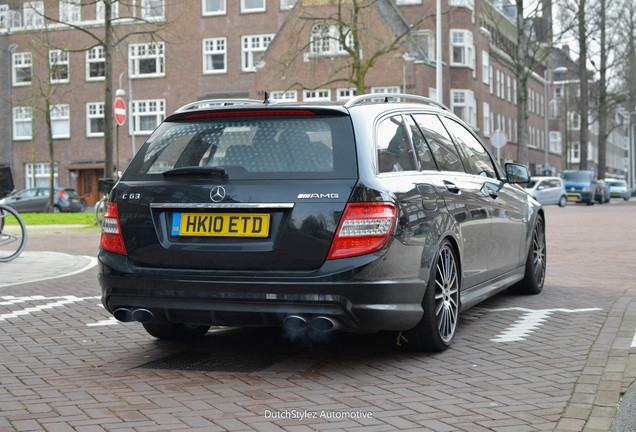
(220, 224)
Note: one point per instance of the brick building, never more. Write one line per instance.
(231, 48)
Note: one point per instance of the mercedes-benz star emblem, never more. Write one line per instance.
(217, 194)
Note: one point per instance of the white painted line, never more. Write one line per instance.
(27, 311)
(530, 321)
(634, 341)
(107, 322)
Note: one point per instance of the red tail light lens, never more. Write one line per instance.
(364, 228)
(112, 239)
(62, 194)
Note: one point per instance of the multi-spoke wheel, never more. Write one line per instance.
(12, 234)
(532, 283)
(441, 304)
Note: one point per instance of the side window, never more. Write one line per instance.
(422, 151)
(444, 151)
(394, 148)
(478, 158)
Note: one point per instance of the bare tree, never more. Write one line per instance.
(127, 22)
(347, 25)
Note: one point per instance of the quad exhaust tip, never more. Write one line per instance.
(321, 324)
(130, 315)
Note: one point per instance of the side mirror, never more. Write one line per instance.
(517, 173)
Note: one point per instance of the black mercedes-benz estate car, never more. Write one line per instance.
(383, 213)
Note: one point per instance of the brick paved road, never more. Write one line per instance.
(557, 361)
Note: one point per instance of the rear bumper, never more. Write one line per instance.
(579, 196)
(242, 300)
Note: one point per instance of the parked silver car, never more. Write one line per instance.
(548, 190)
(618, 189)
(36, 200)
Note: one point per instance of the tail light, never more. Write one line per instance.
(364, 228)
(62, 194)
(112, 239)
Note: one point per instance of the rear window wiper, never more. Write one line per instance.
(197, 170)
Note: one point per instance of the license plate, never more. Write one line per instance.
(573, 197)
(221, 224)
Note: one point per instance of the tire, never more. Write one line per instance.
(175, 331)
(534, 278)
(57, 209)
(436, 330)
(12, 234)
(563, 201)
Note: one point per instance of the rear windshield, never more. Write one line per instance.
(285, 147)
(617, 184)
(577, 176)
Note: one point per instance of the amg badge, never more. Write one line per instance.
(318, 195)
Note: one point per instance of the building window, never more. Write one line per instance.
(491, 81)
(486, 119)
(146, 60)
(250, 6)
(33, 14)
(462, 50)
(575, 153)
(287, 4)
(287, 96)
(485, 66)
(100, 13)
(408, 2)
(95, 119)
(213, 7)
(152, 9)
(321, 95)
(70, 11)
(95, 64)
(22, 69)
(22, 123)
(470, 4)
(325, 40)
(464, 105)
(146, 115)
(558, 92)
(214, 55)
(575, 120)
(59, 66)
(41, 177)
(509, 88)
(426, 40)
(390, 89)
(343, 94)
(60, 121)
(253, 48)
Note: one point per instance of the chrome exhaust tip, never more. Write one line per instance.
(123, 315)
(323, 324)
(295, 323)
(142, 315)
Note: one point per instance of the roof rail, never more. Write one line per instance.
(392, 97)
(207, 103)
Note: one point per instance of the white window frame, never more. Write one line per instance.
(144, 51)
(246, 10)
(575, 152)
(407, 2)
(214, 47)
(70, 11)
(22, 116)
(485, 66)
(146, 108)
(33, 12)
(491, 81)
(61, 117)
(94, 110)
(150, 12)
(21, 60)
(42, 172)
(386, 89)
(509, 87)
(486, 118)
(319, 95)
(324, 40)
(287, 4)
(469, 4)
(59, 58)
(221, 11)
(462, 39)
(574, 120)
(344, 94)
(426, 40)
(250, 45)
(100, 14)
(94, 55)
(464, 100)
(286, 96)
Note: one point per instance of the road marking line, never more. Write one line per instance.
(107, 322)
(64, 300)
(92, 262)
(530, 321)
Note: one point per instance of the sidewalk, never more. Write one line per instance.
(36, 266)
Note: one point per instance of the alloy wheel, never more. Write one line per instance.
(446, 294)
(538, 253)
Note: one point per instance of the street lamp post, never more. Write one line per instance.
(546, 141)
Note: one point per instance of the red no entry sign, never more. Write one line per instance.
(119, 109)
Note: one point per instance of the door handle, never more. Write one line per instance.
(452, 187)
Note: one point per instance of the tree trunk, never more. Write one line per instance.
(584, 99)
(522, 82)
(108, 92)
(603, 110)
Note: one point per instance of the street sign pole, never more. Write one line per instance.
(119, 109)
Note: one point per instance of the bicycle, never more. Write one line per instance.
(12, 230)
